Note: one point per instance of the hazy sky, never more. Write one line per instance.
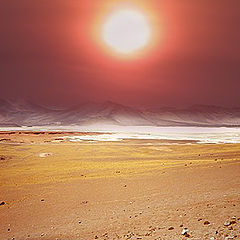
(52, 51)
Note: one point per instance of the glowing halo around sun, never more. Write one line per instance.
(126, 31)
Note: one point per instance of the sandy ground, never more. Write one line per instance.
(135, 189)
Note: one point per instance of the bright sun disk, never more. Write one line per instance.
(126, 31)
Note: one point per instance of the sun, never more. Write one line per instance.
(126, 31)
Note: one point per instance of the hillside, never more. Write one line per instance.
(25, 113)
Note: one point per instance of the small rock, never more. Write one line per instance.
(42, 200)
(171, 228)
(206, 223)
(2, 203)
(233, 222)
(181, 225)
(184, 231)
(42, 234)
(227, 223)
(43, 155)
(212, 238)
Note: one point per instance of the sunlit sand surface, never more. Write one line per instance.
(56, 188)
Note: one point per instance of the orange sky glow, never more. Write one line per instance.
(59, 54)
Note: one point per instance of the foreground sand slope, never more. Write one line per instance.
(130, 190)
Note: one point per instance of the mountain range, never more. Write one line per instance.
(26, 113)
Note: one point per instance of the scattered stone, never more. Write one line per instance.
(79, 222)
(212, 238)
(206, 223)
(42, 200)
(227, 223)
(181, 225)
(2, 203)
(43, 155)
(184, 231)
(125, 186)
(200, 219)
(9, 229)
(5, 139)
(42, 234)
(171, 228)
(96, 237)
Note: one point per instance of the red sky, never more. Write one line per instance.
(52, 52)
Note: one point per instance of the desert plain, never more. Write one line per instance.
(52, 188)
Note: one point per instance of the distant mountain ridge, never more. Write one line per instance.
(25, 113)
